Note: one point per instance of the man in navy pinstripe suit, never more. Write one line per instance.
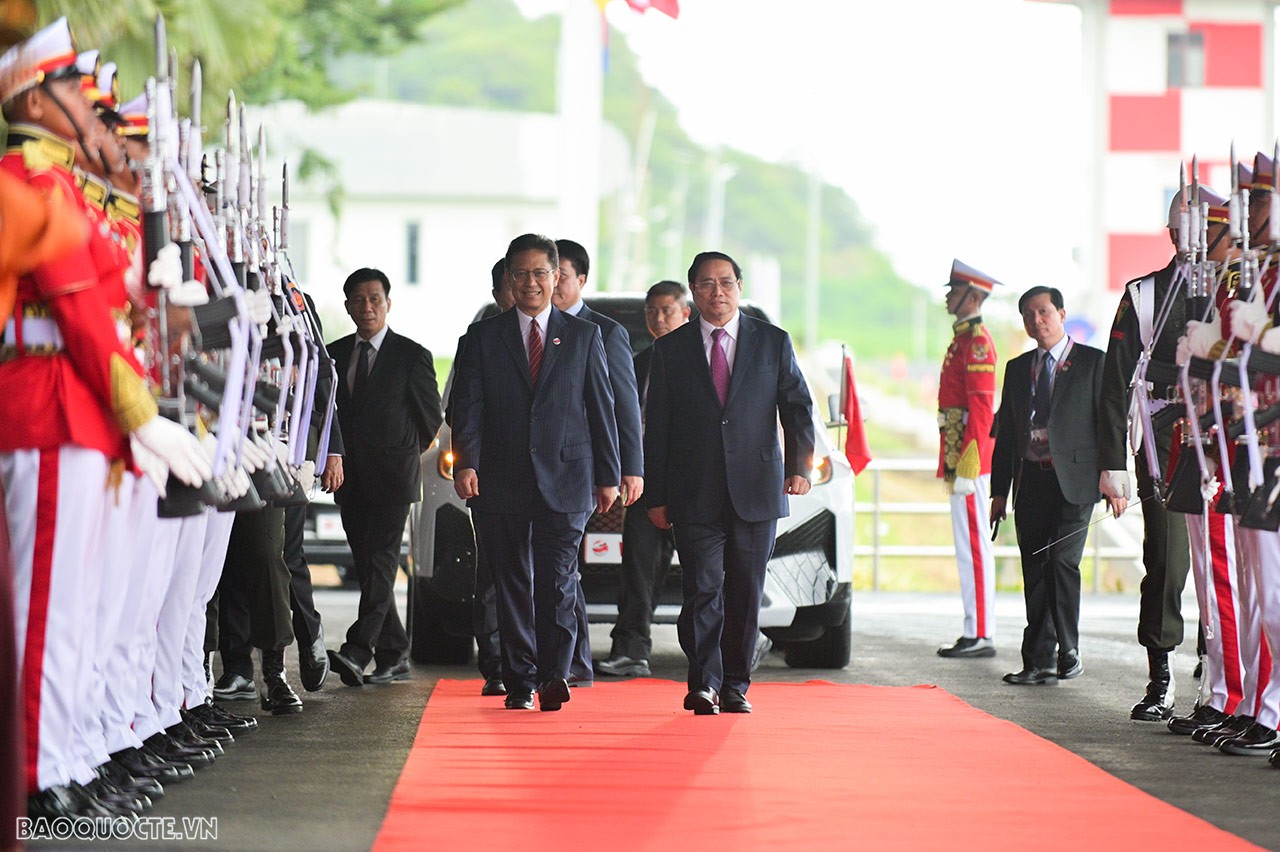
(536, 450)
(718, 389)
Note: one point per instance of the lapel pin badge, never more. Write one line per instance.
(555, 341)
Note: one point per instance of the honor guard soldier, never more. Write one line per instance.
(61, 347)
(966, 397)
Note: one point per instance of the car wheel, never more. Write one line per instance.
(832, 650)
(441, 628)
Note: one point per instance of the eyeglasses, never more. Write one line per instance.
(522, 275)
(724, 285)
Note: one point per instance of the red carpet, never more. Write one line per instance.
(817, 766)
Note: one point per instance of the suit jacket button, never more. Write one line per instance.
(724, 422)
(533, 449)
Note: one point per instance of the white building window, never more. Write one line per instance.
(1186, 60)
(299, 251)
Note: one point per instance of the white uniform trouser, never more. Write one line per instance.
(54, 501)
(1216, 567)
(1255, 656)
(175, 616)
(115, 561)
(217, 534)
(159, 566)
(971, 526)
(136, 622)
(1266, 569)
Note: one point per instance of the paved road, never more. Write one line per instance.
(321, 780)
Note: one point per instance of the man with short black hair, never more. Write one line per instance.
(1047, 449)
(389, 411)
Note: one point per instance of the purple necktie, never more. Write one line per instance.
(719, 366)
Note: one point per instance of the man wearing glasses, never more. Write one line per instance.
(714, 471)
(536, 450)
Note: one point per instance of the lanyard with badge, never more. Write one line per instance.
(1040, 435)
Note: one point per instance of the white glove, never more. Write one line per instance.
(1184, 346)
(235, 482)
(152, 466)
(188, 294)
(253, 457)
(1114, 484)
(166, 270)
(1248, 319)
(177, 447)
(1209, 489)
(259, 305)
(964, 486)
(1203, 336)
(1270, 340)
(306, 475)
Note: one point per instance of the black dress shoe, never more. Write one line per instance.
(1032, 676)
(206, 730)
(347, 668)
(733, 701)
(142, 763)
(1203, 717)
(213, 714)
(622, 666)
(1069, 665)
(234, 687)
(278, 697)
(166, 748)
(120, 778)
(184, 736)
(397, 671)
(553, 694)
(1257, 741)
(703, 702)
(519, 701)
(69, 800)
(493, 686)
(115, 799)
(1232, 727)
(313, 662)
(969, 647)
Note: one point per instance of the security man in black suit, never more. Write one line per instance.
(574, 268)
(714, 469)
(389, 410)
(646, 550)
(1047, 450)
(536, 449)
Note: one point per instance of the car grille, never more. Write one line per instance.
(804, 558)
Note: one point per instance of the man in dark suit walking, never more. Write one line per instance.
(646, 550)
(535, 448)
(567, 296)
(1047, 450)
(389, 411)
(714, 469)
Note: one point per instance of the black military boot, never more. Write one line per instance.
(278, 697)
(1157, 704)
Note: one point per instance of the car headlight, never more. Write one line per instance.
(821, 472)
(445, 464)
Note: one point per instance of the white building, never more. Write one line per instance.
(1166, 80)
(431, 196)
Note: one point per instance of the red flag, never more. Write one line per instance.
(670, 8)
(855, 441)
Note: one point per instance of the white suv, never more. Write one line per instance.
(807, 591)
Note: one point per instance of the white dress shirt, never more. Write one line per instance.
(729, 342)
(376, 343)
(541, 319)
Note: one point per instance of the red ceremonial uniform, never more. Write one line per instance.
(87, 381)
(966, 395)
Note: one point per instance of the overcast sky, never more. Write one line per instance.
(919, 108)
